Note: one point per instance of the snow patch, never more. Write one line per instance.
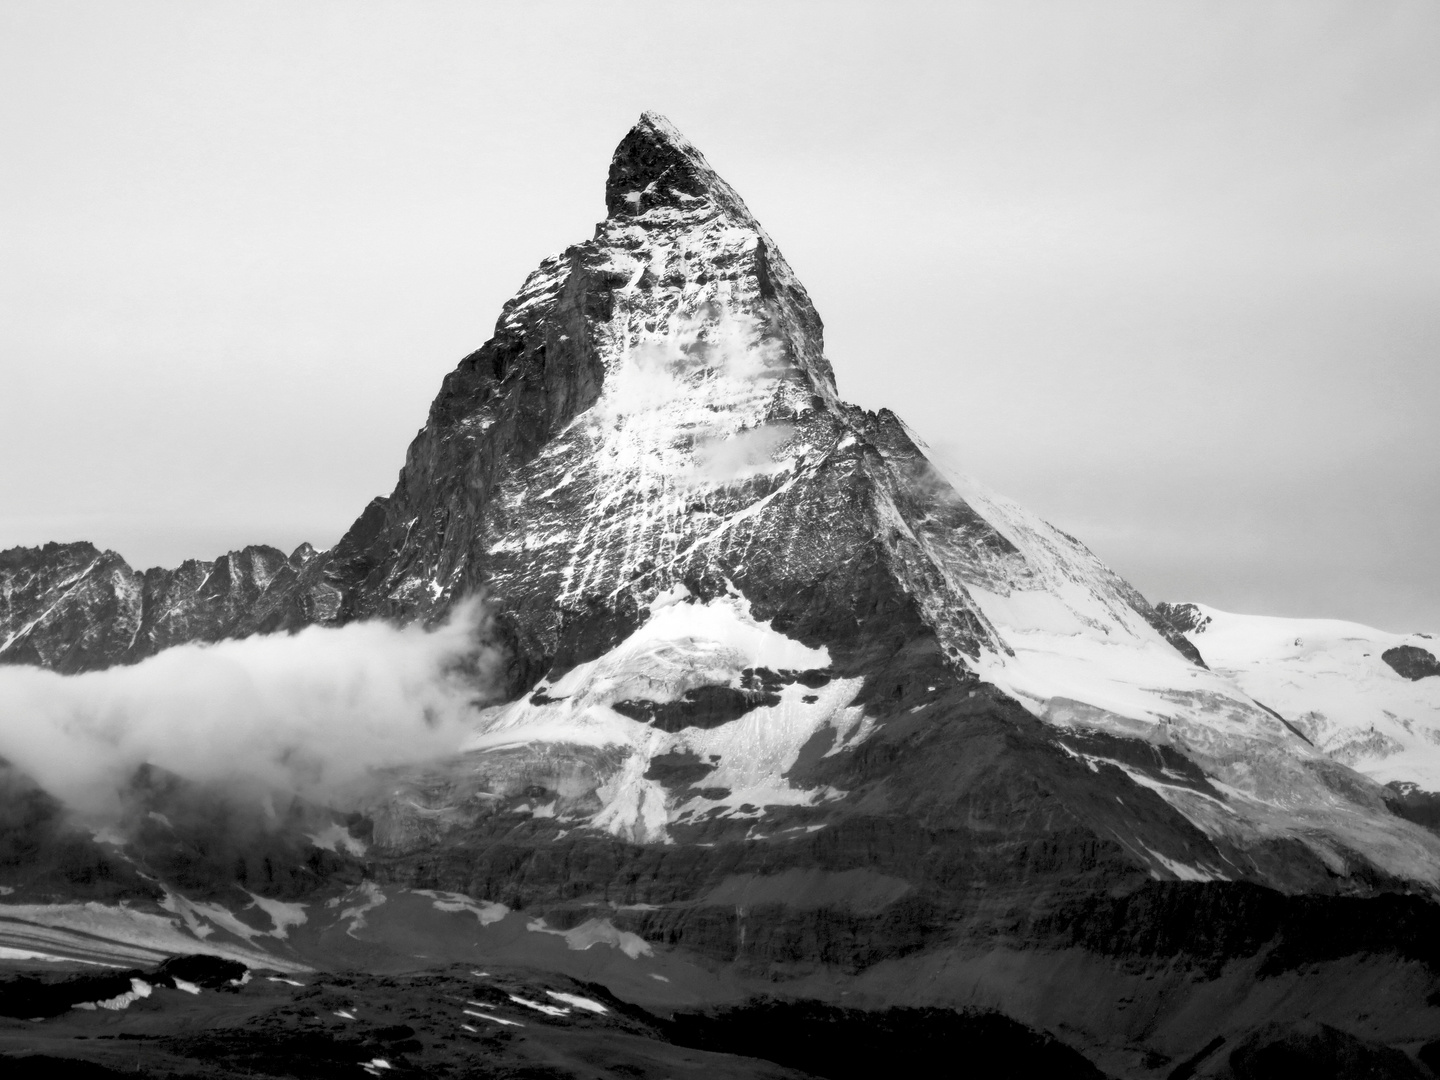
(282, 914)
(596, 932)
(488, 1016)
(139, 989)
(126, 934)
(484, 911)
(335, 837)
(539, 1006)
(683, 645)
(370, 897)
(578, 1002)
(1183, 871)
(9, 953)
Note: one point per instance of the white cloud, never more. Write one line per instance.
(308, 713)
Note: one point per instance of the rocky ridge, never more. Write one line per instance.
(73, 608)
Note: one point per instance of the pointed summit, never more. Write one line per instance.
(656, 165)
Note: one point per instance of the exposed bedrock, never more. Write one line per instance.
(1412, 662)
(73, 608)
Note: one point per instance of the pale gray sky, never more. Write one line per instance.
(1165, 273)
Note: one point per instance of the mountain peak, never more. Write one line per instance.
(819, 714)
(656, 165)
(660, 128)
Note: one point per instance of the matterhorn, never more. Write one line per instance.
(789, 753)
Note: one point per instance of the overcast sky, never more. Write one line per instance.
(1166, 273)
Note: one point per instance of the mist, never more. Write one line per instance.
(744, 454)
(686, 359)
(310, 714)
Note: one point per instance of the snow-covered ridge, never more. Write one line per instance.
(1329, 678)
(1075, 649)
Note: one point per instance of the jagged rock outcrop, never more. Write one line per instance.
(1412, 662)
(72, 608)
(1183, 618)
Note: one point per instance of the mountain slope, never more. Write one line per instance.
(1365, 697)
(783, 709)
(655, 414)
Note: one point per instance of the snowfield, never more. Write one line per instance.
(685, 644)
(1328, 678)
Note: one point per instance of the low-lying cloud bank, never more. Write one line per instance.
(308, 714)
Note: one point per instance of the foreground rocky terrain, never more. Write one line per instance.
(227, 1020)
(781, 733)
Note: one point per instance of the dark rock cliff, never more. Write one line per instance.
(72, 608)
(1412, 662)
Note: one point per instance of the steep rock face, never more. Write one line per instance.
(1183, 618)
(66, 606)
(651, 452)
(1412, 662)
(72, 608)
(655, 408)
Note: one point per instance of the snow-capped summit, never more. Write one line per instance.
(655, 165)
